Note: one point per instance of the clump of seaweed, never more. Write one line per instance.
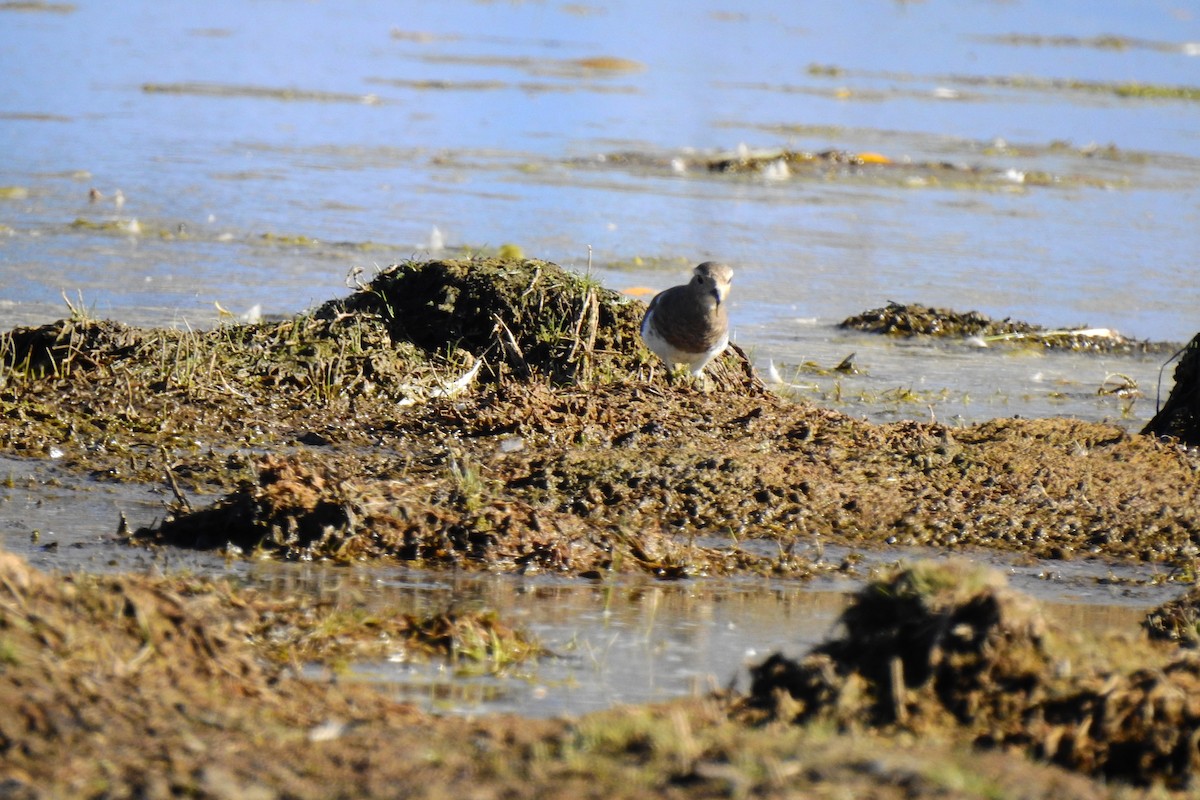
(950, 645)
(908, 320)
(782, 164)
(528, 315)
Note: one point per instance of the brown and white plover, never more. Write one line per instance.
(689, 324)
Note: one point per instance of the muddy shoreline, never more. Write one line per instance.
(499, 415)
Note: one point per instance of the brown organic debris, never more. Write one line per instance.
(503, 414)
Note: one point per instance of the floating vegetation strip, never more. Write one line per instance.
(898, 319)
(1130, 89)
(1106, 42)
(31, 5)
(782, 164)
(593, 66)
(205, 89)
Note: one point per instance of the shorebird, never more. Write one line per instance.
(689, 324)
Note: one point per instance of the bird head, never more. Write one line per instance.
(712, 279)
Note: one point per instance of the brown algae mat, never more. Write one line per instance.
(942, 683)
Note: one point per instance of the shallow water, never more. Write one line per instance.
(266, 150)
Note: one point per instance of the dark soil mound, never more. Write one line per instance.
(56, 347)
(947, 645)
(1180, 415)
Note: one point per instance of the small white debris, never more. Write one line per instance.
(327, 731)
(437, 241)
(458, 384)
(777, 170)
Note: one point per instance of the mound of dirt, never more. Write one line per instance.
(1180, 415)
(301, 509)
(949, 646)
(523, 475)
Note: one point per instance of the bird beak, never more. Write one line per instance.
(717, 294)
